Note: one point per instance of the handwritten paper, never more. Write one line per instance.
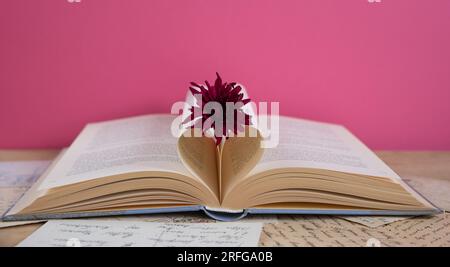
(15, 179)
(325, 231)
(60, 233)
(187, 217)
(435, 190)
(308, 234)
(21, 173)
(374, 221)
(8, 197)
(264, 218)
(179, 217)
(417, 232)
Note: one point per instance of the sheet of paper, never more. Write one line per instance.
(183, 217)
(314, 231)
(416, 232)
(435, 190)
(187, 217)
(310, 231)
(21, 173)
(374, 221)
(121, 233)
(264, 218)
(15, 179)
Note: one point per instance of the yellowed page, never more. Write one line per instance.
(239, 155)
(310, 144)
(199, 155)
(142, 143)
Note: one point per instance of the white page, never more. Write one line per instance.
(142, 143)
(310, 144)
(130, 233)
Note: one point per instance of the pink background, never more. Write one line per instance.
(381, 69)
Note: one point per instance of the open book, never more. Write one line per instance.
(136, 166)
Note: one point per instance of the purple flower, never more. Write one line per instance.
(221, 93)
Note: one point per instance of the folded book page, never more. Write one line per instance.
(122, 233)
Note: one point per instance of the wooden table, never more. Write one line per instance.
(411, 163)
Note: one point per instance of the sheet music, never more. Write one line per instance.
(62, 233)
(15, 179)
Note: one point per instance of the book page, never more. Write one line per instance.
(239, 156)
(32, 192)
(186, 217)
(199, 155)
(142, 143)
(87, 233)
(309, 144)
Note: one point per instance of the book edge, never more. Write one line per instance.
(224, 215)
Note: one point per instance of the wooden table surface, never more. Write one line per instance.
(410, 163)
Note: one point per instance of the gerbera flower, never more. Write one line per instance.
(220, 93)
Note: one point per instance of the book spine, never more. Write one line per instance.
(224, 214)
